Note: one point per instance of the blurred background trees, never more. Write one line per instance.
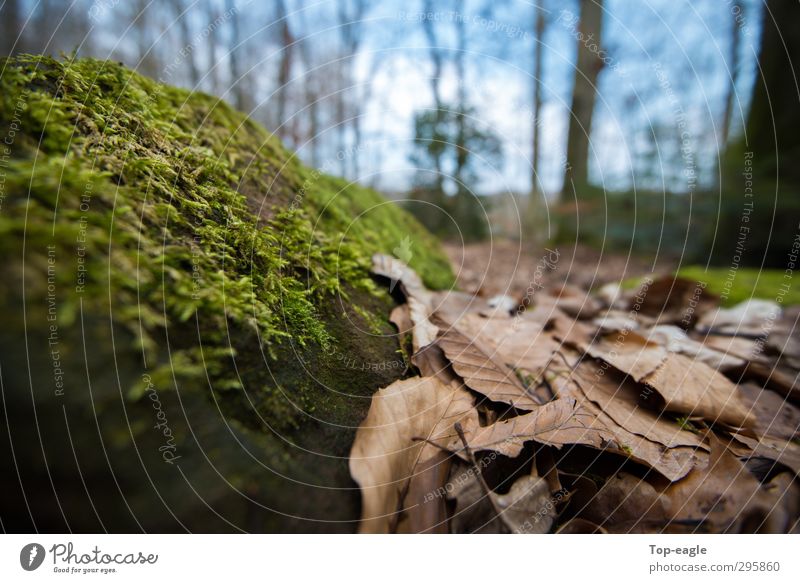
(600, 121)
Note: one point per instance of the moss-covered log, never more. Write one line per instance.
(191, 334)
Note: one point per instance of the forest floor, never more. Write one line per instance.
(550, 399)
(505, 267)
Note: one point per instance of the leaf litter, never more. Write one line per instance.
(648, 411)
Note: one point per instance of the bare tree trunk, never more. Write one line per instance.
(350, 31)
(237, 81)
(149, 59)
(537, 97)
(583, 94)
(461, 150)
(285, 69)
(733, 67)
(213, 39)
(436, 60)
(183, 10)
(10, 23)
(311, 87)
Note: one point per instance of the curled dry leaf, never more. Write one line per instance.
(645, 436)
(629, 352)
(676, 340)
(721, 497)
(753, 317)
(557, 423)
(527, 508)
(786, 453)
(673, 299)
(774, 416)
(520, 342)
(733, 346)
(388, 451)
(483, 372)
(626, 503)
(672, 462)
(692, 388)
(419, 299)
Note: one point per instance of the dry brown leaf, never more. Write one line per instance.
(785, 516)
(483, 372)
(520, 342)
(774, 416)
(399, 272)
(694, 389)
(626, 501)
(734, 346)
(753, 317)
(619, 398)
(526, 509)
(779, 450)
(629, 352)
(387, 452)
(401, 318)
(676, 340)
(784, 338)
(671, 462)
(557, 423)
(777, 378)
(673, 299)
(574, 302)
(452, 306)
(722, 497)
(638, 433)
(419, 299)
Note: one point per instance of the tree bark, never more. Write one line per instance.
(237, 80)
(10, 28)
(584, 92)
(733, 71)
(537, 97)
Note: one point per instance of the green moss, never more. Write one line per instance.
(735, 286)
(687, 425)
(188, 223)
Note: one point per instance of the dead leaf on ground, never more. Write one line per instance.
(778, 450)
(694, 389)
(483, 372)
(722, 497)
(672, 462)
(418, 297)
(629, 352)
(520, 342)
(676, 340)
(527, 508)
(672, 299)
(645, 435)
(557, 423)
(385, 455)
(774, 416)
(753, 317)
(626, 501)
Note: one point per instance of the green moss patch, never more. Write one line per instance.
(737, 285)
(187, 210)
(149, 232)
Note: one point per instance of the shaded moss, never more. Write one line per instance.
(191, 211)
(149, 230)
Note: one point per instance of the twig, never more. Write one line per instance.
(471, 456)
